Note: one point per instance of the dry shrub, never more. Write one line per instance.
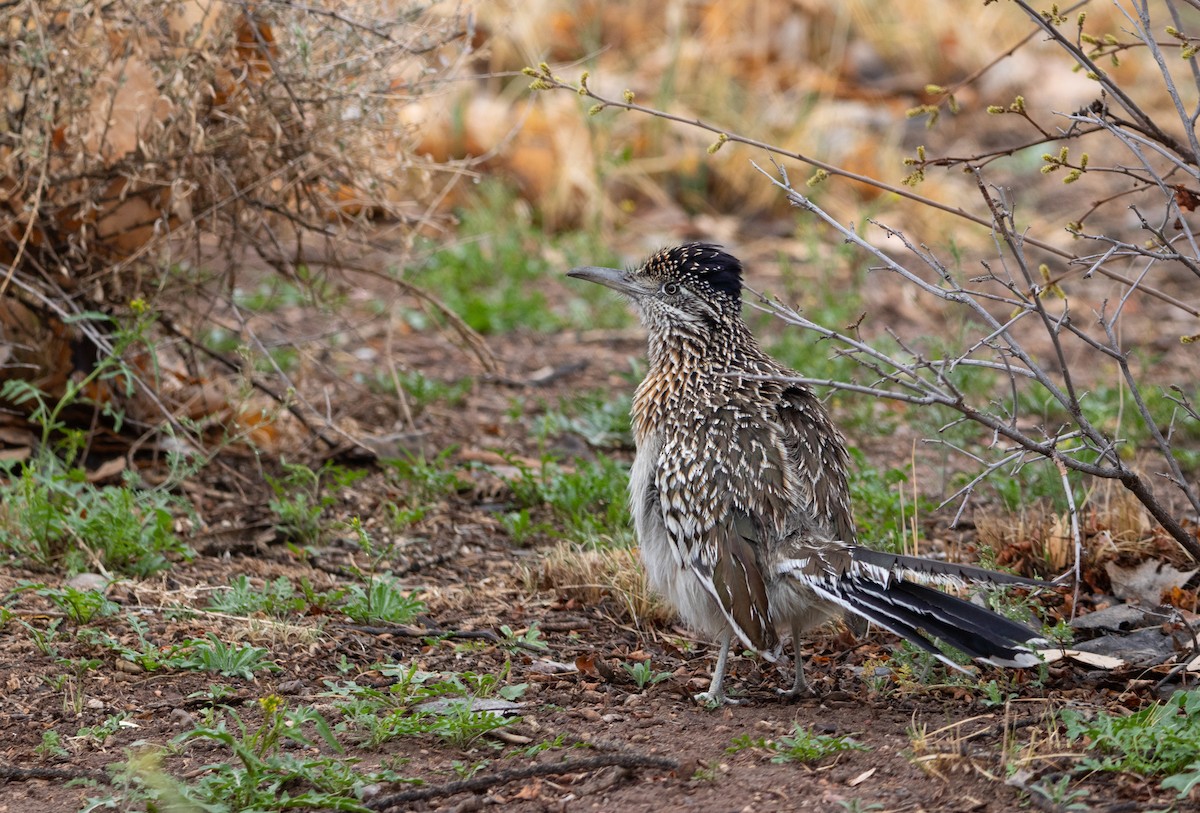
(1114, 527)
(138, 136)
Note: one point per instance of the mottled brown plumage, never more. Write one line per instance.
(739, 488)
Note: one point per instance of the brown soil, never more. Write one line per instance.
(932, 748)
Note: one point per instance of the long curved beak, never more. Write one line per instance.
(613, 278)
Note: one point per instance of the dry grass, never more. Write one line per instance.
(590, 575)
(1114, 527)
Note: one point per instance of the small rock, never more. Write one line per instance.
(1117, 617)
(128, 667)
(87, 582)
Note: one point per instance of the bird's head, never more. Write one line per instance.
(692, 287)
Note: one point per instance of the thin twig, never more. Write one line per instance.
(394, 801)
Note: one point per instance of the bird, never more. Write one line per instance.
(739, 490)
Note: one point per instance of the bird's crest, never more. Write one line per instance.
(699, 266)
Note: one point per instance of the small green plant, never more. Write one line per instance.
(994, 696)
(644, 674)
(44, 639)
(1060, 794)
(1160, 740)
(215, 693)
(259, 773)
(460, 725)
(80, 606)
(298, 503)
(531, 638)
(275, 293)
(416, 704)
(521, 527)
(857, 806)
(211, 654)
(101, 733)
(146, 654)
(51, 746)
(71, 682)
(277, 598)
(426, 481)
(498, 232)
(883, 504)
(466, 771)
(599, 418)
(802, 745)
(531, 751)
(588, 501)
(418, 389)
(52, 516)
(380, 599)
(273, 783)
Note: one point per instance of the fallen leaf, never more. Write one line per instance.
(107, 471)
(1185, 198)
(1086, 658)
(531, 791)
(862, 777)
(125, 105)
(587, 665)
(496, 705)
(1147, 582)
(546, 667)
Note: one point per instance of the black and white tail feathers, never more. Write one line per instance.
(891, 591)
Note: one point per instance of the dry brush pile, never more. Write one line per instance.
(149, 152)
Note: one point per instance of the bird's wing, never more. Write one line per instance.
(820, 463)
(713, 533)
(738, 583)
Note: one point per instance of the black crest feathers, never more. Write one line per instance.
(701, 265)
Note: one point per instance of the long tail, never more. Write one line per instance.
(888, 566)
(883, 589)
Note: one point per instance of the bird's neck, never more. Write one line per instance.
(693, 366)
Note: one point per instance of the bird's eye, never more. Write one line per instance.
(670, 288)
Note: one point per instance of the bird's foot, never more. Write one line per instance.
(714, 700)
(796, 692)
(800, 686)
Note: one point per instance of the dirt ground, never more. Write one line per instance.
(931, 747)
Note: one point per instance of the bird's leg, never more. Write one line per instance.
(800, 687)
(715, 696)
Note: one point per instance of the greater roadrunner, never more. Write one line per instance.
(739, 491)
